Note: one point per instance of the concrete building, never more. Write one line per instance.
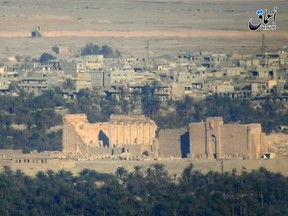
(263, 87)
(190, 76)
(118, 76)
(263, 72)
(214, 140)
(234, 71)
(110, 76)
(37, 84)
(42, 77)
(33, 84)
(6, 77)
(59, 49)
(89, 62)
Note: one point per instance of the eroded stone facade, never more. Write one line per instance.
(135, 134)
(214, 140)
(131, 133)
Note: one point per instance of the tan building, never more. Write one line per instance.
(214, 140)
(263, 86)
(123, 133)
(33, 161)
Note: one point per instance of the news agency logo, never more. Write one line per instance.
(266, 23)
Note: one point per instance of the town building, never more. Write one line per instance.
(6, 78)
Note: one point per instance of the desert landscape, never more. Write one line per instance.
(170, 26)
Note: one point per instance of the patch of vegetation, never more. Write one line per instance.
(45, 57)
(144, 192)
(105, 50)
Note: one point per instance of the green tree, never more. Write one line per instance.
(121, 173)
(45, 57)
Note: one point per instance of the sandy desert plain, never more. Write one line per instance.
(169, 25)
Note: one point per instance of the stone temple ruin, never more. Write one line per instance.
(214, 140)
(134, 134)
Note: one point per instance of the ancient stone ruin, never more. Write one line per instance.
(133, 134)
(214, 140)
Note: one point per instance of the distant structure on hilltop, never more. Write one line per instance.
(36, 33)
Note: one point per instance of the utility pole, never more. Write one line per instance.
(263, 47)
(147, 50)
(263, 50)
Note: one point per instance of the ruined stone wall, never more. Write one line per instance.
(234, 140)
(213, 137)
(100, 151)
(256, 143)
(173, 142)
(197, 136)
(215, 140)
(278, 143)
(136, 149)
(264, 144)
(40, 163)
(129, 133)
(91, 133)
(245, 141)
(122, 130)
(70, 135)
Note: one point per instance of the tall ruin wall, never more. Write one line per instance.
(174, 142)
(214, 140)
(80, 136)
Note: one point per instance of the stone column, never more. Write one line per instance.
(138, 133)
(147, 137)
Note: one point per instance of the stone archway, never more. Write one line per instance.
(213, 146)
(103, 138)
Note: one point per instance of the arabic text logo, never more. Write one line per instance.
(266, 23)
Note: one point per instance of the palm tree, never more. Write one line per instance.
(121, 172)
(187, 173)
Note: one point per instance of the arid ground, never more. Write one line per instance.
(170, 26)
